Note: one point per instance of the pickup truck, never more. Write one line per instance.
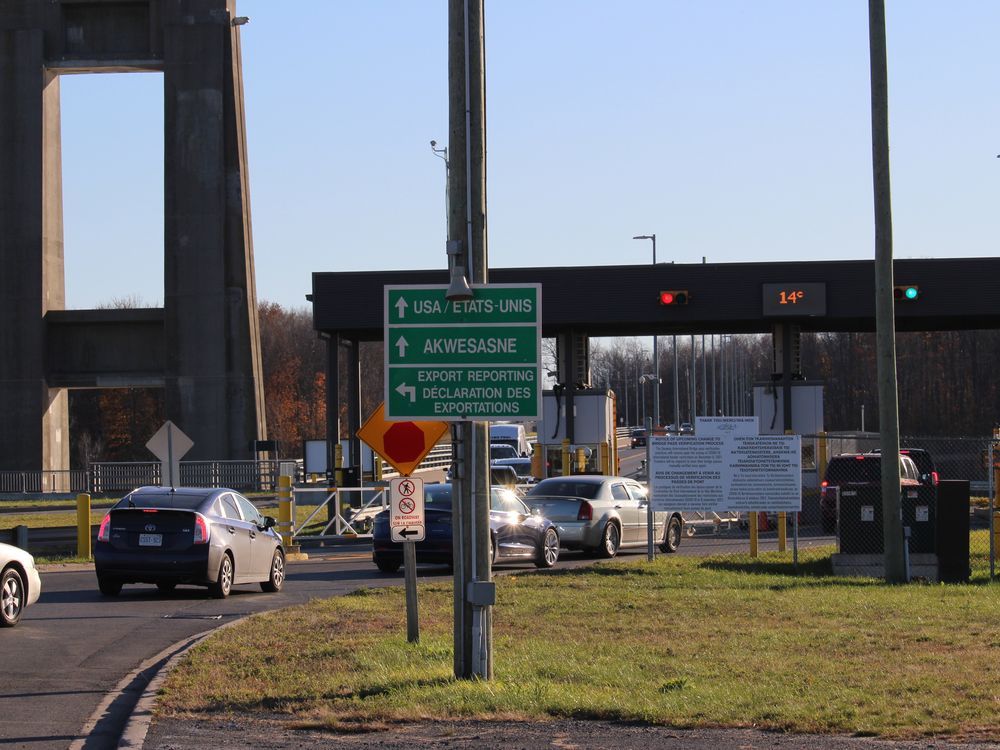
(602, 514)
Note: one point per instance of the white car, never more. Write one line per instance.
(20, 583)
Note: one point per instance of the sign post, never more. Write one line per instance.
(169, 444)
(407, 525)
(456, 360)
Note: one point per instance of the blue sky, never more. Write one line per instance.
(733, 130)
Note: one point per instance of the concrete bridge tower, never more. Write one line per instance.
(202, 347)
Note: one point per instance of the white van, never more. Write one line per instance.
(511, 434)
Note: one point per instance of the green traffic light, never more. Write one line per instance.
(911, 292)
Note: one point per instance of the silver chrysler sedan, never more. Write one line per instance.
(602, 514)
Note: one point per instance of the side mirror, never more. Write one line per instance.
(270, 522)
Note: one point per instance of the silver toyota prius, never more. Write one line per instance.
(186, 535)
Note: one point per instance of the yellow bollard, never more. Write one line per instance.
(753, 534)
(782, 532)
(83, 536)
(581, 460)
(285, 510)
(537, 457)
(566, 468)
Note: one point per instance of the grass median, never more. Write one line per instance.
(727, 641)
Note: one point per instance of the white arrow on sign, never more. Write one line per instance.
(407, 390)
(401, 345)
(408, 533)
(401, 305)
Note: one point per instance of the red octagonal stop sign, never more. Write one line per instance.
(403, 442)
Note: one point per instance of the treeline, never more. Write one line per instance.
(945, 380)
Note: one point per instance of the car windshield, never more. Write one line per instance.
(566, 488)
(161, 500)
(437, 496)
(859, 470)
(500, 451)
(523, 468)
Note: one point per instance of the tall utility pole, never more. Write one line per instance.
(473, 623)
(885, 323)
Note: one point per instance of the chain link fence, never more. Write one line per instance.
(947, 501)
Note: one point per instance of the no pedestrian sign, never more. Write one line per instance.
(452, 360)
(406, 509)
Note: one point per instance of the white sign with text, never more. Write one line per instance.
(734, 471)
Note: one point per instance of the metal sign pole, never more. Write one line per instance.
(650, 546)
(410, 571)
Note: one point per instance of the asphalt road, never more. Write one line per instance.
(74, 648)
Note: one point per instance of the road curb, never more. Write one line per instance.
(136, 693)
(127, 695)
(141, 716)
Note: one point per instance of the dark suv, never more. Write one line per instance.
(925, 464)
(638, 437)
(858, 470)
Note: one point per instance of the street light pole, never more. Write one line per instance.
(656, 350)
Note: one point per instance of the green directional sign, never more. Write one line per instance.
(463, 344)
(475, 359)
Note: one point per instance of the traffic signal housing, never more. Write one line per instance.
(674, 297)
(906, 293)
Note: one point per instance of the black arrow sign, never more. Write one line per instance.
(408, 532)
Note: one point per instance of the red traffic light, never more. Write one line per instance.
(674, 297)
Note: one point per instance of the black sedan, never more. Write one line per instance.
(206, 537)
(515, 533)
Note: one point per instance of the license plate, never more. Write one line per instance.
(150, 540)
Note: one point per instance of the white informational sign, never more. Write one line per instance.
(314, 455)
(169, 444)
(734, 472)
(406, 509)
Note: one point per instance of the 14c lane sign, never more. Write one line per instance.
(454, 360)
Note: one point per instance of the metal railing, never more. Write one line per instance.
(65, 481)
(111, 478)
(349, 511)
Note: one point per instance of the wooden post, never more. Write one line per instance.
(885, 324)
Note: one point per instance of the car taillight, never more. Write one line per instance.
(586, 512)
(934, 478)
(200, 530)
(104, 534)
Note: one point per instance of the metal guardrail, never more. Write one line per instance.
(347, 518)
(64, 481)
(113, 477)
(110, 478)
